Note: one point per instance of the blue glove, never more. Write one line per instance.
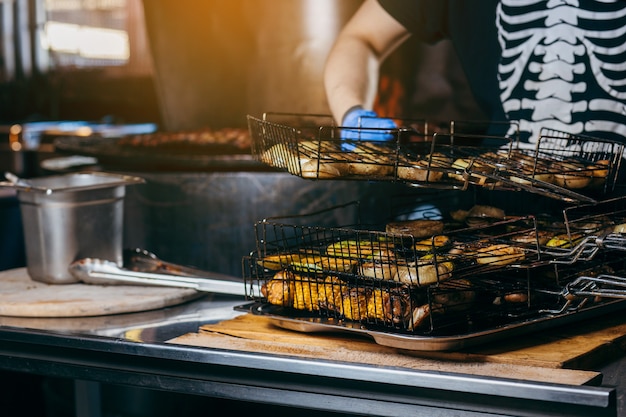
(367, 119)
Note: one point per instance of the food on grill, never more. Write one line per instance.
(378, 270)
(525, 168)
(420, 170)
(308, 161)
(282, 156)
(236, 137)
(516, 297)
(439, 160)
(459, 165)
(323, 264)
(419, 316)
(593, 225)
(381, 264)
(415, 275)
(301, 292)
(526, 176)
(382, 304)
(419, 228)
(499, 255)
(315, 168)
(486, 211)
(472, 167)
(568, 173)
(307, 262)
(310, 293)
(482, 215)
(456, 297)
(375, 259)
(459, 215)
(572, 175)
(427, 270)
(452, 296)
(540, 237)
(431, 269)
(368, 167)
(280, 261)
(358, 249)
(619, 228)
(333, 263)
(478, 215)
(279, 290)
(523, 158)
(427, 245)
(318, 159)
(318, 148)
(599, 172)
(565, 241)
(354, 303)
(370, 160)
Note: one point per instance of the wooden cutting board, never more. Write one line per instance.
(540, 357)
(22, 297)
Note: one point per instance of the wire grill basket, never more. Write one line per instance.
(456, 279)
(572, 168)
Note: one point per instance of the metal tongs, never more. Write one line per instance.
(104, 272)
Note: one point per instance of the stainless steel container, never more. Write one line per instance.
(70, 217)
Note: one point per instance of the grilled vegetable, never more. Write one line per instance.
(564, 241)
(428, 245)
(305, 293)
(381, 304)
(301, 292)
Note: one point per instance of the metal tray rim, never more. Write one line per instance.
(433, 343)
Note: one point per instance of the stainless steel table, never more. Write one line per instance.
(131, 350)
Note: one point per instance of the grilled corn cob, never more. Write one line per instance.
(353, 305)
(384, 305)
(304, 293)
(388, 306)
(301, 292)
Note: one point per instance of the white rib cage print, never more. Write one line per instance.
(563, 64)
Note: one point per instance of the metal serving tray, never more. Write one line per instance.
(312, 324)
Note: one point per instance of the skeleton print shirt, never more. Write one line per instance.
(558, 64)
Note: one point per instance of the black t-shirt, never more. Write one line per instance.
(542, 63)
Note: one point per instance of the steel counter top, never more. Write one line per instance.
(132, 349)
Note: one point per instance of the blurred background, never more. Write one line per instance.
(187, 64)
(115, 67)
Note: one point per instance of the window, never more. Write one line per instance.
(86, 33)
(102, 33)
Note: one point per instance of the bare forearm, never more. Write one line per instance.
(351, 72)
(351, 77)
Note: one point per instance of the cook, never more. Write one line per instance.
(544, 63)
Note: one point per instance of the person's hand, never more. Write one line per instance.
(368, 126)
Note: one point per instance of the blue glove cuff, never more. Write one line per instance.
(353, 117)
(361, 124)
